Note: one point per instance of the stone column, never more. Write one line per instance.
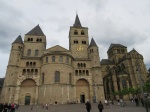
(16, 97)
(36, 95)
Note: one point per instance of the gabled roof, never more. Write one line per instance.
(18, 40)
(77, 22)
(57, 48)
(92, 43)
(132, 51)
(36, 31)
(115, 45)
(106, 62)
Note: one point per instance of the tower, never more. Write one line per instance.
(10, 82)
(78, 40)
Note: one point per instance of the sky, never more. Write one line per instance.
(125, 22)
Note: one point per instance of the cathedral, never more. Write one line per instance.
(37, 75)
(56, 75)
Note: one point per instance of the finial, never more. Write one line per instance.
(76, 12)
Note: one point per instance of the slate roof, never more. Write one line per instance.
(115, 45)
(77, 22)
(36, 31)
(92, 43)
(1, 82)
(106, 62)
(18, 40)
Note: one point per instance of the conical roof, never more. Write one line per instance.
(36, 31)
(77, 22)
(18, 40)
(92, 43)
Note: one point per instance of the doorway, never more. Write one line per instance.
(27, 100)
(82, 98)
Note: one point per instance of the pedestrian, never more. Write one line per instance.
(46, 106)
(142, 101)
(118, 102)
(136, 101)
(88, 106)
(106, 102)
(100, 106)
(5, 107)
(13, 107)
(122, 102)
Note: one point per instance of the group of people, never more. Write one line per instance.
(5, 107)
(100, 106)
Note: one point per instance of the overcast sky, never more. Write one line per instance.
(125, 22)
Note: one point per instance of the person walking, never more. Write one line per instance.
(136, 101)
(100, 106)
(88, 106)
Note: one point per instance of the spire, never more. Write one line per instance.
(77, 21)
(36, 31)
(18, 40)
(93, 43)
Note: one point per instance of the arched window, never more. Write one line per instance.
(57, 76)
(87, 73)
(30, 63)
(70, 78)
(60, 59)
(76, 72)
(42, 78)
(84, 65)
(37, 40)
(67, 60)
(34, 64)
(75, 32)
(24, 72)
(78, 64)
(27, 63)
(82, 32)
(83, 72)
(28, 39)
(32, 71)
(29, 52)
(36, 71)
(46, 59)
(36, 52)
(40, 40)
(53, 58)
(80, 72)
(28, 71)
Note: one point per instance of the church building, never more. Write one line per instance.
(36, 74)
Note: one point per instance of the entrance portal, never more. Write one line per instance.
(82, 98)
(27, 100)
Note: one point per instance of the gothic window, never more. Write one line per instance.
(29, 52)
(57, 76)
(46, 59)
(122, 66)
(67, 60)
(53, 58)
(42, 78)
(70, 78)
(75, 32)
(60, 59)
(82, 32)
(36, 52)
(124, 83)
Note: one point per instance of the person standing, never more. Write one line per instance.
(100, 106)
(136, 101)
(88, 106)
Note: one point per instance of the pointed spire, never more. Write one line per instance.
(36, 31)
(93, 43)
(77, 21)
(18, 40)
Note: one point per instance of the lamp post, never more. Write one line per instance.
(148, 75)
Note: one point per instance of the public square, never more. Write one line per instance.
(130, 107)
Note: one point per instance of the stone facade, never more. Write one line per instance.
(122, 70)
(36, 75)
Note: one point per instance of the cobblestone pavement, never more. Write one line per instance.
(130, 107)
